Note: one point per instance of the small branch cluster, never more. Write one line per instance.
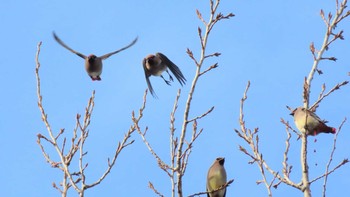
(318, 55)
(71, 178)
(252, 139)
(330, 36)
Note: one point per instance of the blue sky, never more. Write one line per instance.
(266, 42)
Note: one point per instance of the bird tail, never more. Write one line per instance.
(323, 128)
(334, 130)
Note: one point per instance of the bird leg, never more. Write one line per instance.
(166, 81)
(170, 77)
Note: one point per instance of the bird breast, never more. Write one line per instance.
(309, 120)
(155, 68)
(94, 65)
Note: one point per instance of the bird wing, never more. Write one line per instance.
(67, 47)
(173, 68)
(314, 115)
(147, 75)
(122, 49)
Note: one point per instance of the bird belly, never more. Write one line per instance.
(215, 182)
(311, 123)
(94, 74)
(156, 70)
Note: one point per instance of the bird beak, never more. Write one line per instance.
(292, 114)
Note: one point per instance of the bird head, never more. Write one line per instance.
(150, 59)
(297, 109)
(292, 114)
(91, 58)
(221, 160)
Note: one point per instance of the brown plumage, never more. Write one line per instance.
(216, 178)
(93, 64)
(155, 65)
(307, 120)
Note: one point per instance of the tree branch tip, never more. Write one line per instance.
(321, 12)
(258, 182)
(230, 181)
(289, 108)
(252, 161)
(217, 54)
(199, 15)
(312, 47)
(248, 84)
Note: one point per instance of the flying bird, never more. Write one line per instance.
(307, 120)
(155, 65)
(93, 64)
(216, 178)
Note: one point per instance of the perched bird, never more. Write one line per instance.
(216, 178)
(93, 64)
(306, 119)
(155, 65)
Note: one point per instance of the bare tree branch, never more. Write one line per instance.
(150, 185)
(331, 25)
(322, 96)
(201, 116)
(214, 18)
(328, 40)
(71, 179)
(331, 159)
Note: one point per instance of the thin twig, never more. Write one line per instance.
(201, 116)
(331, 159)
(150, 185)
(322, 96)
(220, 188)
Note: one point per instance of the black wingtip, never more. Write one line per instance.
(154, 95)
(55, 36)
(173, 68)
(134, 41)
